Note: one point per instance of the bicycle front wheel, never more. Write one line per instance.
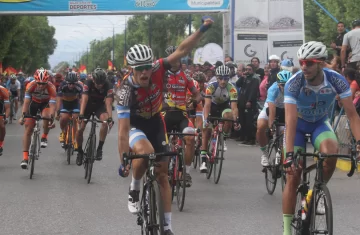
(181, 180)
(209, 163)
(271, 170)
(32, 154)
(219, 157)
(91, 159)
(69, 145)
(321, 211)
(156, 222)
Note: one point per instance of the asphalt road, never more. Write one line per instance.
(59, 201)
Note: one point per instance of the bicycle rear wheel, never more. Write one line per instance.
(321, 199)
(91, 159)
(156, 222)
(219, 157)
(271, 170)
(69, 144)
(181, 180)
(32, 154)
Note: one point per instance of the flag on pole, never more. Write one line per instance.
(110, 65)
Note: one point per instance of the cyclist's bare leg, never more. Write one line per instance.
(46, 114)
(29, 128)
(262, 125)
(189, 149)
(64, 118)
(199, 122)
(227, 125)
(329, 146)
(2, 132)
(75, 126)
(162, 177)
(80, 136)
(104, 127)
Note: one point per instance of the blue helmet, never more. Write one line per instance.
(287, 63)
(83, 76)
(283, 76)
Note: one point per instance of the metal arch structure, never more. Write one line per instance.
(110, 7)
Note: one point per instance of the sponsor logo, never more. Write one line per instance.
(325, 91)
(295, 84)
(307, 91)
(123, 95)
(146, 3)
(249, 51)
(82, 6)
(205, 3)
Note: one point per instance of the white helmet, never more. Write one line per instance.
(222, 70)
(139, 54)
(312, 50)
(274, 57)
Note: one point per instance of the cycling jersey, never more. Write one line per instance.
(4, 95)
(40, 96)
(97, 96)
(13, 87)
(135, 101)
(274, 95)
(175, 89)
(313, 102)
(220, 95)
(69, 95)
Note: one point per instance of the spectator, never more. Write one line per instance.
(351, 40)
(287, 65)
(228, 59)
(197, 68)
(263, 84)
(274, 61)
(240, 70)
(259, 71)
(233, 75)
(183, 67)
(338, 42)
(247, 104)
(335, 64)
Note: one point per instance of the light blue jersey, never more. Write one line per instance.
(275, 96)
(313, 102)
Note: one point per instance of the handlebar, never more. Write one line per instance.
(220, 119)
(38, 117)
(151, 156)
(323, 156)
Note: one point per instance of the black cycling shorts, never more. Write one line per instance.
(280, 114)
(216, 110)
(34, 107)
(98, 109)
(176, 121)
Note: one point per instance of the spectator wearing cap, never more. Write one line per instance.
(259, 71)
(233, 75)
(228, 59)
(287, 65)
(218, 63)
(274, 61)
(263, 84)
(351, 40)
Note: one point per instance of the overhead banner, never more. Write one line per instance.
(275, 26)
(66, 7)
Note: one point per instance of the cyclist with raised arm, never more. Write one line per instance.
(68, 100)
(220, 101)
(308, 95)
(273, 108)
(141, 128)
(176, 85)
(40, 95)
(97, 98)
(4, 107)
(13, 85)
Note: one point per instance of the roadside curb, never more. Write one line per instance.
(345, 165)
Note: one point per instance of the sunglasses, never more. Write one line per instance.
(42, 83)
(226, 78)
(309, 63)
(248, 69)
(141, 68)
(70, 83)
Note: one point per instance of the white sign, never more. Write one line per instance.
(212, 53)
(285, 45)
(251, 16)
(248, 46)
(197, 56)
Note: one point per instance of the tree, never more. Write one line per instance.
(214, 35)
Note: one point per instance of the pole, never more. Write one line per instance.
(125, 41)
(328, 13)
(113, 47)
(190, 21)
(87, 57)
(150, 22)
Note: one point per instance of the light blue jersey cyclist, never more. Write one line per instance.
(313, 104)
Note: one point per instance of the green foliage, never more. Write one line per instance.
(26, 42)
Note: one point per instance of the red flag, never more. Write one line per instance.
(110, 65)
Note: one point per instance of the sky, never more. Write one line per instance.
(74, 33)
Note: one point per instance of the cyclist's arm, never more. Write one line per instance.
(207, 107)
(272, 113)
(18, 85)
(352, 116)
(123, 136)
(84, 100)
(291, 93)
(58, 103)
(235, 111)
(6, 103)
(108, 105)
(27, 100)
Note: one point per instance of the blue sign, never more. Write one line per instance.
(66, 7)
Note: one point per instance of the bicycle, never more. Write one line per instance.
(90, 147)
(275, 169)
(34, 149)
(12, 108)
(151, 214)
(303, 222)
(216, 148)
(177, 169)
(70, 138)
(198, 143)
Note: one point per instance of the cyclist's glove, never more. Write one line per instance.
(81, 117)
(206, 124)
(110, 120)
(122, 171)
(58, 113)
(289, 159)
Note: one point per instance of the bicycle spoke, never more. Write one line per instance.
(322, 214)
